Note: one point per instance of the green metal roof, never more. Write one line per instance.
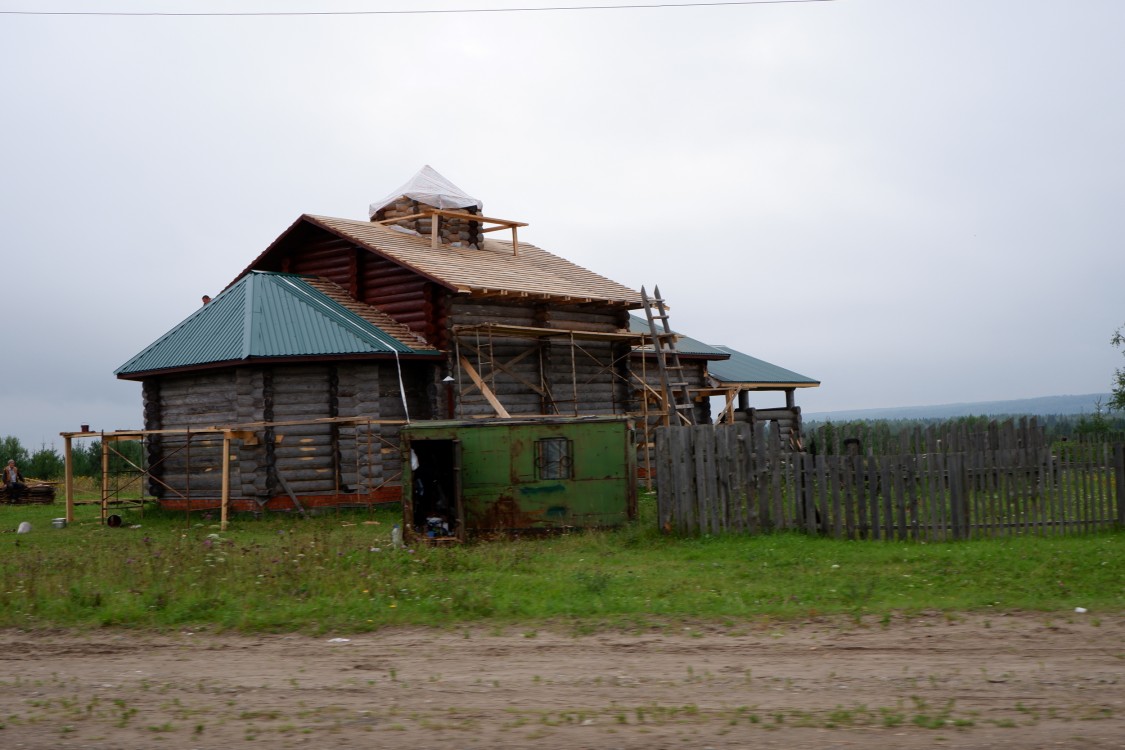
(267, 315)
(730, 365)
(684, 344)
(742, 368)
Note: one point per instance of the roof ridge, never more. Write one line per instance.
(248, 316)
(492, 268)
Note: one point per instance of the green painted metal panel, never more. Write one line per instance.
(506, 484)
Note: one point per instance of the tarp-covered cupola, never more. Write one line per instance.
(406, 208)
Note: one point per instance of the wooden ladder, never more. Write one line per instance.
(677, 398)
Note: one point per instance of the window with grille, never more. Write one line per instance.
(553, 458)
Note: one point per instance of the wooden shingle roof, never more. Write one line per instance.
(372, 315)
(492, 270)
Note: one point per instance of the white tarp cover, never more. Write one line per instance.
(430, 188)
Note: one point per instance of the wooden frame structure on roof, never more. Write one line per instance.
(437, 213)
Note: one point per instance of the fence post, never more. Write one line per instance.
(1119, 473)
(665, 479)
(684, 467)
(954, 465)
(806, 487)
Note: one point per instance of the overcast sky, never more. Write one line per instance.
(913, 201)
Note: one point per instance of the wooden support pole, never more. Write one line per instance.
(515, 241)
(1119, 470)
(68, 456)
(226, 482)
(484, 389)
(434, 219)
(573, 370)
(105, 478)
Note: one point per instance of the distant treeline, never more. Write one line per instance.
(48, 463)
(881, 434)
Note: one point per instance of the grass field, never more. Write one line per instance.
(338, 572)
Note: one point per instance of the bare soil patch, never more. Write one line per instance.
(1018, 680)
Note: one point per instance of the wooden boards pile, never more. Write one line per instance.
(34, 493)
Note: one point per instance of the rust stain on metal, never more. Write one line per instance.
(505, 513)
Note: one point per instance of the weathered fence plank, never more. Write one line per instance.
(721, 479)
(1119, 476)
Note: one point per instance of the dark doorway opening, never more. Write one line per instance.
(435, 488)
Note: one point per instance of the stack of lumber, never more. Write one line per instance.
(35, 492)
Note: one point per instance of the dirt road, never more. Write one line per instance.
(1020, 681)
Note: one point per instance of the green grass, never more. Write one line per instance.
(320, 574)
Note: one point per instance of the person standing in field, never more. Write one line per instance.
(13, 481)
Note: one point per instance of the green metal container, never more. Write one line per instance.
(505, 475)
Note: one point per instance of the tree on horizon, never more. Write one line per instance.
(1118, 401)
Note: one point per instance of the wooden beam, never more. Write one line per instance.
(224, 512)
(384, 222)
(517, 331)
(472, 217)
(504, 366)
(116, 437)
(292, 495)
(732, 396)
(105, 479)
(111, 437)
(68, 457)
(484, 389)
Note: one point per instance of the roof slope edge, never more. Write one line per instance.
(269, 315)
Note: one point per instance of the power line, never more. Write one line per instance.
(415, 12)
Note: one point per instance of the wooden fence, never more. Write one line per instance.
(734, 478)
(954, 436)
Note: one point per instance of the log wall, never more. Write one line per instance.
(785, 420)
(185, 402)
(400, 293)
(550, 376)
(374, 280)
(333, 259)
(305, 455)
(314, 458)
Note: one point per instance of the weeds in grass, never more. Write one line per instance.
(319, 575)
(891, 717)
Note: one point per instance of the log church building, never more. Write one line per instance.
(344, 331)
